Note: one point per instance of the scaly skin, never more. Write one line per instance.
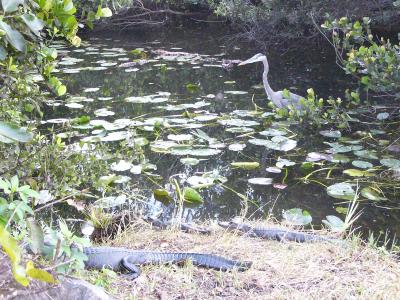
(119, 259)
(276, 233)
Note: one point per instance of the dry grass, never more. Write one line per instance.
(280, 270)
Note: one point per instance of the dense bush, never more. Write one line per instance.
(375, 62)
(266, 20)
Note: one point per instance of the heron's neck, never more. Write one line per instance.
(267, 87)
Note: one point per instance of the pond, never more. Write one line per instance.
(193, 113)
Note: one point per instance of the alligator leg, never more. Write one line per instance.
(133, 270)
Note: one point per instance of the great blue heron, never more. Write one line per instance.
(278, 98)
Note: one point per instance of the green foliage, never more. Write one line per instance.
(283, 21)
(375, 62)
(27, 64)
(13, 213)
(15, 206)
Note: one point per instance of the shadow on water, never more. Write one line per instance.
(297, 71)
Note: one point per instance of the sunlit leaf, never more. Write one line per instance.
(357, 173)
(34, 24)
(246, 165)
(11, 5)
(13, 36)
(334, 223)
(192, 196)
(15, 133)
(371, 194)
(39, 274)
(341, 190)
(297, 216)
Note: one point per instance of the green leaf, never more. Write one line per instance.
(5, 185)
(191, 87)
(11, 5)
(14, 183)
(357, 173)
(362, 164)
(61, 90)
(340, 158)
(390, 163)
(11, 248)
(245, 165)
(3, 53)
(163, 196)
(36, 236)
(39, 274)
(192, 196)
(106, 12)
(334, 223)
(371, 194)
(297, 216)
(15, 133)
(341, 190)
(13, 37)
(34, 24)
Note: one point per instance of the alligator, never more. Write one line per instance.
(275, 233)
(185, 227)
(123, 259)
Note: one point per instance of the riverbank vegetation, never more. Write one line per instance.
(77, 155)
(280, 270)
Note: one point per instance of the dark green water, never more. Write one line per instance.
(296, 71)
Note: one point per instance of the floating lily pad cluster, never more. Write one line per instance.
(207, 145)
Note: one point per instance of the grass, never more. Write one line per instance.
(280, 270)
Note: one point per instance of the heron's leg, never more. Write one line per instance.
(133, 270)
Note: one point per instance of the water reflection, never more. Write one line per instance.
(298, 71)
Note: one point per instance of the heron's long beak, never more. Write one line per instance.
(249, 61)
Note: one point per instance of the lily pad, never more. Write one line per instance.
(190, 161)
(372, 194)
(238, 123)
(341, 190)
(367, 154)
(246, 165)
(180, 137)
(282, 162)
(261, 181)
(275, 170)
(340, 158)
(236, 147)
(334, 223)
(121, 166)
(109, 202)
(272, 132)
(331, 133)
(362, 164)
(357, 173)
(316, 156)
(297, 216)
(391, 163)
